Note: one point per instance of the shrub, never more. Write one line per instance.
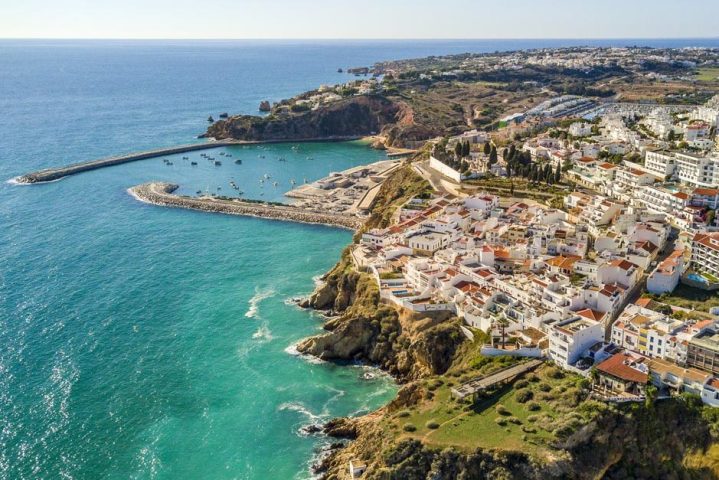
(408, 427)
(502, 410)
(528, 429)
(514, 420)
(521, 384)
(299, 107)
(554, 372)
(524, 395)
(545, 396)
(403, 414)
(532, 418)
(545, 387)
(500, 421)
(533, 406)
(432, 425)
(532, 377)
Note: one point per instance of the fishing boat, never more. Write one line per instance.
(218, 163)
(193, 163)
(275, 183)
(238, 162)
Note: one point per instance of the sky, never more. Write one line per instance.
(385, 19)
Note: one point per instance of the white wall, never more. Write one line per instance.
(444, 169)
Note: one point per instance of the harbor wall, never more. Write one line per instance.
(162, 194)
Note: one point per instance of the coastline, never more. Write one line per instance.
(161, 194)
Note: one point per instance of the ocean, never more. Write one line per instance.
(144, 342)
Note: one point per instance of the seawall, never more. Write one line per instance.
(158, 193)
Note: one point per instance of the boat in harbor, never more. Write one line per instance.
(193, 163)
(238, 162)
(218, 163)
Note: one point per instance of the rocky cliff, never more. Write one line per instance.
(349, 117)
(407, 346)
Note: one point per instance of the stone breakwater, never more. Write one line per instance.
(51, 174)
(158, 193)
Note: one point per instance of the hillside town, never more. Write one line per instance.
(578, 283)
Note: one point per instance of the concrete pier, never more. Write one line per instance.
(51, 174)
(158, 193)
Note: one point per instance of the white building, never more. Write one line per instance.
(665, 277)
(705, 253)
(660, 163)
(427, 243)
(570, 339)
(580, 129)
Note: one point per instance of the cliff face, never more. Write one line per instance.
(407, 346)
(350, 117)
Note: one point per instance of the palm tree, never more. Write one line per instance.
(503, 323)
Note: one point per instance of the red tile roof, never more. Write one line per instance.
(619, 366)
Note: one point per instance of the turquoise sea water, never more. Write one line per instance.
(144, 342)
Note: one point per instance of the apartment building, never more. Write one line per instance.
(705, 253)
(570, 339)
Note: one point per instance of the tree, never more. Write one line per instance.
(711, 216)
(558, 174)
(487, 148)
(650, 395)
(466, 149)
(458, 150)
(492, 156)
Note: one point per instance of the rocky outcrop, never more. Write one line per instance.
(351, 117)
(265, 106)
(408, 346)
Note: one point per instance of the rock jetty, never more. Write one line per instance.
(51, 174)
(158, 193)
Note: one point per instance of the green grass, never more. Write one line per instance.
(688, 297)
(468, 427)
(708, 74)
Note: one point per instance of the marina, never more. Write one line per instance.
(350, 192)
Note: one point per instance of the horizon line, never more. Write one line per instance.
(357, 38)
